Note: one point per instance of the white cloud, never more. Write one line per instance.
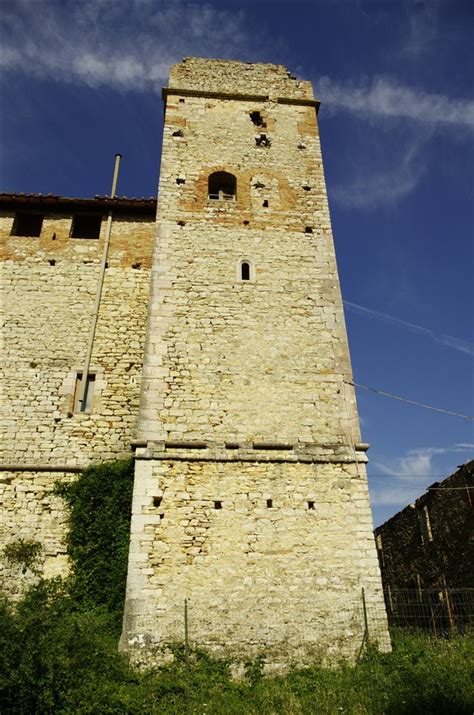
(126, 44)
(449, 341)
(411, 474)
(373, 186)
(384, 98)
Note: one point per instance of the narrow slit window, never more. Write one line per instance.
(27, 224)
(86, 226)
(245, 271)
(311, 504)
(265, 204)
(269, 503)
(86, 404)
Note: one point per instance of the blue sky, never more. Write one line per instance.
(82, 80)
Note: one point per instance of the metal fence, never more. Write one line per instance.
(439, 611)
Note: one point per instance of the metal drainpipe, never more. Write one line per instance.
(98, 295)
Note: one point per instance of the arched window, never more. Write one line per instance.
(245, 271)
(222, 186)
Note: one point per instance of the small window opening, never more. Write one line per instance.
(301, 146)
(257, 119)
(263, 140)
(269, 503)
(86, 404)
(180, 180)
(136, 266)
(265, 203)
(181, 100)
(245, 271)
(157, 501)
(52, 262)
(178, 133)
(311, 505)
(307, 188)
(217, 505)
(246, 223)
(86, 226)
(222, 186)
(181, 223)
(26, 224)
(53, 237)
(308, 229)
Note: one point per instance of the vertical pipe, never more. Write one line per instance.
(98, 295)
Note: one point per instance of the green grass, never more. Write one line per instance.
(58, 658)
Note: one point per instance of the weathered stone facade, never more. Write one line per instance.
(250, 499)
(49, 283)
(231, 379)
(430, 544)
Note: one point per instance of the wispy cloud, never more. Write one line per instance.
(374, 185)
(449, 341)
(411, 473)
(383, 98)
(125, 44)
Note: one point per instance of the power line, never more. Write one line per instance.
(410, 402)
(427, 489)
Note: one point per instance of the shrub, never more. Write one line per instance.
(99, 532)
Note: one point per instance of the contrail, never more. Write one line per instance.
(463, 346)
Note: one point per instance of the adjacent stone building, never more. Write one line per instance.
(251, 509)
(430, 544)
(52, 251)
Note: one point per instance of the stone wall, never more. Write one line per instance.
(430, 543)
(246, 415)
(48, 290)
(271, 557)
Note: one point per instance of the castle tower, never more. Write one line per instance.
(251, 498)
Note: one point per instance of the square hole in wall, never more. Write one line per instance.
(310, 504)
(217, 504)
(27, 224)
(86, 226)
(157, 501)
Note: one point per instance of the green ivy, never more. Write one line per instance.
(99, 534)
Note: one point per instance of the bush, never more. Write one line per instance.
(99, 533)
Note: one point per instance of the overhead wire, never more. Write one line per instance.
(410, 402)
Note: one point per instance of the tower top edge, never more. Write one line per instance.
(235, 77)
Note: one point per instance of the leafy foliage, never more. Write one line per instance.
(99, 533)
(24, 553)
(58, 646)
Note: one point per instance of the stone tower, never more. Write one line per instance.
(251, 496)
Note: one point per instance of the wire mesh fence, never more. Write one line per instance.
(439, 611)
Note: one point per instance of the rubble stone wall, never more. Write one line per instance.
(48, 290)
(246, 414)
